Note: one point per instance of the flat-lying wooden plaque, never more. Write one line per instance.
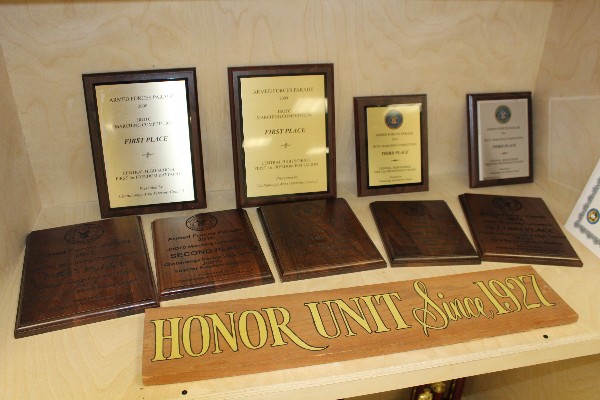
(84, 273)
(317, 238)
(206, 253)
(516, 229)
(207, 341)
(417, 233)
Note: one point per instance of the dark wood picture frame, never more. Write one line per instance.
(235, 76)
(196, 182)
(475, 155)
(361, 128)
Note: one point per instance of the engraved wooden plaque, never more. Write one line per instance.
(206, 253)
(417, 233)
(317, 238)
(84, 273)
(214, 340)
(516, 229)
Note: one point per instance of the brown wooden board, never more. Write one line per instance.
(84, 273)
(417, 233)
(206, 253)
(317, 238)
(214, 340)
(516, 229)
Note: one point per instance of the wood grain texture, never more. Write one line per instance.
(316, 238)
(568, 84)
(208, 341)
(442, 48)
(18, 192)
(84, 273)
(206, 253)
(419, 233)
(516, 229)
(103, 360)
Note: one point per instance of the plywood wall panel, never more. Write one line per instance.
(18, 195)
(567, 127)
(442, 48)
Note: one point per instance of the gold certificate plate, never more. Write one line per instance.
(282, 126)
(145, 139)
(391, 144)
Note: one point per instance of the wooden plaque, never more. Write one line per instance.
(206, 253)
(317, 238)
(215, 340)
(500, 138)
(417, 233)
(84, 273)
(391, 144)
(516, 229)
(283, 133)
(145, 136)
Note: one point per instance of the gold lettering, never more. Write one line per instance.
(378, 321)
(536, 289)
(219, 327)
(282, 327)
(186, 335)
(389, 302)
(345, 310)
(501, 310)
(318, 321)
(160, 337)
(261, 325)
(424, 312)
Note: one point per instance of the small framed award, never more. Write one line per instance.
(145, 136)
(500, 138)
(391, 144)
(282, 125)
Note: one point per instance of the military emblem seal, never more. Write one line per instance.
(592, 216)
(201, 222)
(84, 233)
(503, 114)
(394, 119)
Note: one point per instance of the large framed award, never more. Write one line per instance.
(391, 144)
(145, 136)
(500, 138)
(282, 125)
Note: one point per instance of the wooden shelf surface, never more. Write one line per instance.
(103, 360)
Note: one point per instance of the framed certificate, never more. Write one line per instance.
(282, 125)
(145, 136)
(500, 138)
(583, 221)
(391, 144)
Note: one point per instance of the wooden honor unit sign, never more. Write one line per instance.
(214, 340)
(317, 238)
(84, 273)
(516, 229)
(417, 233)
(206, 253)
